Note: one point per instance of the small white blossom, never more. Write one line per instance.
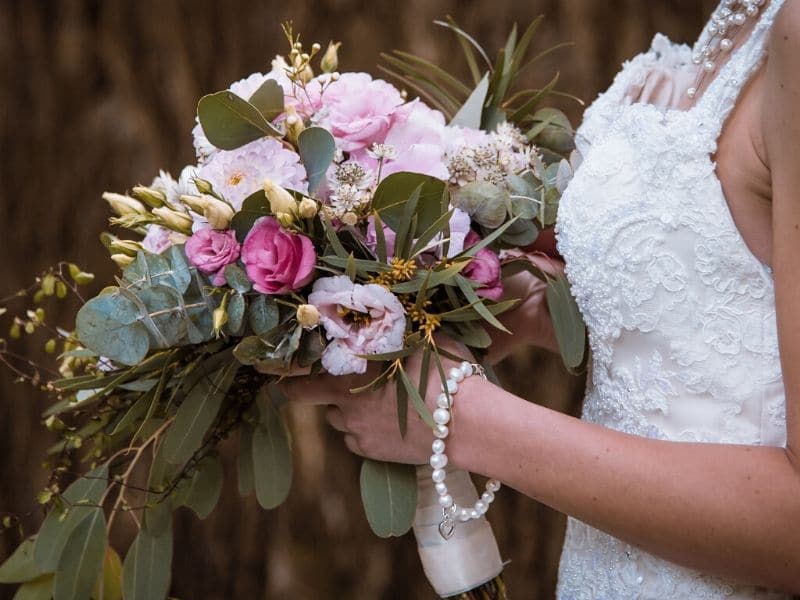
(382, 152)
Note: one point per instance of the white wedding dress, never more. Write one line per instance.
(681, 314)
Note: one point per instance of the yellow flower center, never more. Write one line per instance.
(236, 178)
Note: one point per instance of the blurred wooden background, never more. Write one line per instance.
(97, 95)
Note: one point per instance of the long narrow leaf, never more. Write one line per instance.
(422, 409)
(435, 69)
(530, 105)
(463, 35)
(477, 303)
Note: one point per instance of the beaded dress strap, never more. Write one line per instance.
(721, 95)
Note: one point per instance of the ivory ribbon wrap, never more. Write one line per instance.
(468, 559)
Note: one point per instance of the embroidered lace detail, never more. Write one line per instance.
(681, 314)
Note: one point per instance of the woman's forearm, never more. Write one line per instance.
(733, 511)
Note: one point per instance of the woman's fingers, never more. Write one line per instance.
(335, 418)
(312, 389)
(352, 444)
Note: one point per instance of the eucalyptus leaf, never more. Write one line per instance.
(204, 487)
(317, 148)
(389, 495)
(395, 191)
(272, 456)
(40, 588)
(196, 414)
(253, 208)
(82, 559)
(78, 499)
(108, 325)
(20, 567)
(147, 566)
(237, 278)
(251, 350)
(263, 314)
(419, 404)
(268, 99)
(485, 202)
(230, 122)
(236, 310)
(109, 585)
(567, 321)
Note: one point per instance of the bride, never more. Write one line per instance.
(679, 230)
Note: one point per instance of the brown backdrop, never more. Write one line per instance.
(97, 95)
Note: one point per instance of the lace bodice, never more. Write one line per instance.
(681, 314)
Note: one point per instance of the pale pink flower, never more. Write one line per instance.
(277, 261)
(379, 327)
(211, 250)
(417, 134)
(356, 109)
(235, 174)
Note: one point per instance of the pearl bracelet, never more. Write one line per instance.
(451, 512)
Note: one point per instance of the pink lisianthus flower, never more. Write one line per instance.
(357, 110)
(484, 268)
(372, 237)
(211, 251)
(358, 320)
(277, 261)
(417, 134)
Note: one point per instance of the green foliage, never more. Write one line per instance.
(272, 456)
(196, 414)
(567, 322)
(268, 99)
(40, 588)
(147, 566)
(160, 303)
(389, 495)
(201, 490)
(253, 208)
(82, 559)
(20, 566)
(394, 193)
(229, 121)
(76, 505)
(317, 148)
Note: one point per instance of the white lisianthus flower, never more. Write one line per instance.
(235, 174)
(173, 189)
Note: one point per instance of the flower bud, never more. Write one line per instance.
(349, 218)
(280, 201)
(124, 205)
(330, 60)
(307, 315)
(122, 260)
(217, 213)
(294, 124)
(203, 186)
(150, 196)
(194, 203)
(128, 247)
(220, 317)
(177, 221)
(285, 219)
(308, 208)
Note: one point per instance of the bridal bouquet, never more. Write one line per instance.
(330, 221)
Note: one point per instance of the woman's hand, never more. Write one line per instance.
(529, 322)
(369, 419)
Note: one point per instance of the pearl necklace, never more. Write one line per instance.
(726, 22)
(451, 512)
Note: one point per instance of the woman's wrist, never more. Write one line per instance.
(472, 424)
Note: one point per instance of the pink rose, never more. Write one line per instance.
(211, 251)
(358, 319)
(357, 110)
(484, 268)
(276, 261)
